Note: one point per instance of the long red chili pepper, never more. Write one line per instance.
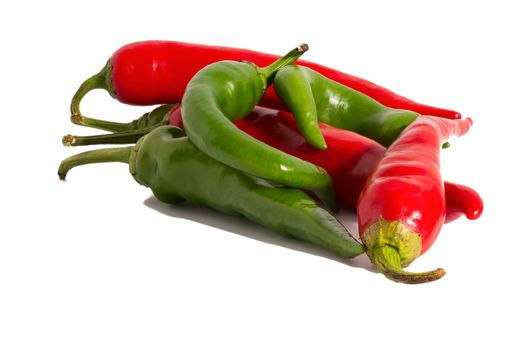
(402, 206)
(349, 159)
(157, 72)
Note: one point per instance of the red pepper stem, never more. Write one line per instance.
(114, 138)
(291, 57)
(117, 154)
(388, 262)
(97, 81)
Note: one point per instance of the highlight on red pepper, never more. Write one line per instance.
(402, 206)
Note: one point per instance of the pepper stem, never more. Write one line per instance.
(117, 154)
(106, 125)
(156, 117)
(100, 80)
(388, 262)
(97, 81)
(115, 138)
(291, 57)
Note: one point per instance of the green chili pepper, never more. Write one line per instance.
(227, 91)
(176, 171)
(338, 105)
(305, 111)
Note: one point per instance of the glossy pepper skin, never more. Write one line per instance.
(157, 72)
(349, 160)
(225, 92)
(402, 206)
(310, 96)
(462, 200)
(177, 171)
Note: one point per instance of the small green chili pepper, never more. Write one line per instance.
(227, 91)
(338, 105)
(176, 170)
(304, 112)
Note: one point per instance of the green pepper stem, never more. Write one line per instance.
(114, 138)
(97, 81)
(291, 57)
(156, 117)
(106, 125)
(388, 262)
(117, 154)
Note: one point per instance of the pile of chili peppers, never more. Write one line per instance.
(284, 143)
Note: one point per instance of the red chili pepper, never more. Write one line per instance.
(461, 200)
(402, 206)
(349, 159)
(157, 72)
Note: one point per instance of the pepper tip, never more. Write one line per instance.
(61, 175)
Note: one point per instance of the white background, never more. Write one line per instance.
(97, 263)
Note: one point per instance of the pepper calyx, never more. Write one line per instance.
(391, 246)
(132, 160)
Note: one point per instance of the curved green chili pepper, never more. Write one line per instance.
(227, 91)
(176, 170)
(339, 105)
